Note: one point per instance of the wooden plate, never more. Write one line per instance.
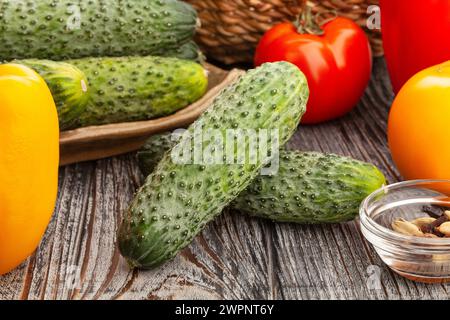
(99, 142)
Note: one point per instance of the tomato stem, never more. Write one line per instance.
(307, 22)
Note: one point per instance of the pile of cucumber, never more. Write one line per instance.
(107, 61)
(177, 200)
(337, 184)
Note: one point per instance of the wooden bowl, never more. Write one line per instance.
(97, 142)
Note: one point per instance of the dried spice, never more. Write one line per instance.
(407, 228)
(444, 229)
(433, 211)
(435, 226)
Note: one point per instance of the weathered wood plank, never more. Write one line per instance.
(339, 253)
(236, 257)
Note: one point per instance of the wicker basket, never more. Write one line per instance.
(231, 29)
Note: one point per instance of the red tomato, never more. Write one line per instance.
(338, 64)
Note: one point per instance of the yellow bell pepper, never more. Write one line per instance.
(419, 125)
(29, 157)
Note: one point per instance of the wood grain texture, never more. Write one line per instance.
(236, 257)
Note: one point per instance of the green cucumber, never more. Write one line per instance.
(68, 86)
(128, 89)
(188, 51)
(67, 29)
(178, 200)
(309, 188)
(153, 151)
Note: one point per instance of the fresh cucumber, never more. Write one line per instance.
(68, 85)
(68, 29)
(153, 151)
(178, 200)
(309, 188)
(128, 89)
(96, 91)
(187, 51)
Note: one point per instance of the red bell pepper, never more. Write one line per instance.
(416, 35)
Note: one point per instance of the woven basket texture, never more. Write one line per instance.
(230, 29)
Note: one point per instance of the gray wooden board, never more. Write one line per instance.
(236, 257)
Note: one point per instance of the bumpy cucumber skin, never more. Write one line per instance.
(68, 85)
(188, 51)
(177, 201)
(125, 89)
(309, 188)
(67, 29)
(153, 151)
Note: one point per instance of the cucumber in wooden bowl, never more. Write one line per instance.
(125, 89)
(69, 88)
(188, 51)
(98, 142)
(97, 91)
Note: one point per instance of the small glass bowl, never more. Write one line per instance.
(416, 258)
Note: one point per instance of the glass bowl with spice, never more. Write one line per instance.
(408, 223)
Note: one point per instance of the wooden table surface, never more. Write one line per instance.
(236, 257)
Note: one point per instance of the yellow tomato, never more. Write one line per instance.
(29, 156)
(419, 125)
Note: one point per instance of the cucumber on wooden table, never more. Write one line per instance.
(309, 188)
(178, 200)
